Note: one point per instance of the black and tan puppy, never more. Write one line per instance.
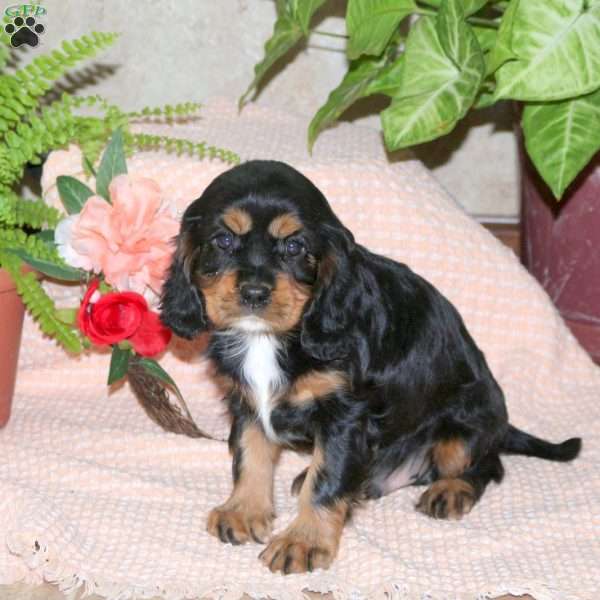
(323, 344)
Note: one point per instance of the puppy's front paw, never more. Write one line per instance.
(237, 526)
(447, 499)
(293, 552)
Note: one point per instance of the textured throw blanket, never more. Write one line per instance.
(94, 494)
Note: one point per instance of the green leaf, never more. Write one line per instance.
(485, 99)
(436, 90)
(112, 164)
(557, 49)
(352, 87)
(387, 80)
(56, 271)
(304, 10)
(119, 362)
(88, 165)
(454, 33)
(371, 23)
(73, 193)
(469, 6)
(562, 137)
(286, 34)
(152, 367)
(486, 36)
(502, 50)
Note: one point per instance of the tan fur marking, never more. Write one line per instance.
(225, 383)
(284, 225)
(316, 384)
(238, 220)
(288, 299)
(259, 456)
(327, 269)
(447, 499)
(221, 298)
(311, 541)
(248, 513)
(451, 457)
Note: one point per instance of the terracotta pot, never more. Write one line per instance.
(11, 325)
(561, 247)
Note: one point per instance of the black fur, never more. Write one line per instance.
(416, 377)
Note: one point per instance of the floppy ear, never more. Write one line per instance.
(181, 304)
(326, 324)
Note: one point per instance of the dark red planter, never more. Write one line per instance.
(561, 247)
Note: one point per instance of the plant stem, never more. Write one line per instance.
(428, 4)
(330, 34)
(492, 24)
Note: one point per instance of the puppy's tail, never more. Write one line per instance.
(519, 442)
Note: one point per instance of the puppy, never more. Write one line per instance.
(327, 346)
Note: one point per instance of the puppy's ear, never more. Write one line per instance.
(327, 322)
(181, 305)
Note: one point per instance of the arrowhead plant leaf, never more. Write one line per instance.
(561, 138)
(354, 86)
(371, 24)
(304, 10)
(442, 72)
(556, 49)
(469, 6)
(291, 26)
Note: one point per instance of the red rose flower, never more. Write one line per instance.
(152, 336)
(119, 316)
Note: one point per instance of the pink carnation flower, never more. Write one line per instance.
(129, 240)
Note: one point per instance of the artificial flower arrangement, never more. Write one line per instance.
(117, 241)
(36, 119)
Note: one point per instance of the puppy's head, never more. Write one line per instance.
(259, 251)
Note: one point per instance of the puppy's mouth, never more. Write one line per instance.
(252, 324)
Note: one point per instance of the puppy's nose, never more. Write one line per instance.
(255, 294)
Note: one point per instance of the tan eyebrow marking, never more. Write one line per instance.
(238, 220)
(284, 225)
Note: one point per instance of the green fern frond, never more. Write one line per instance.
(18, 240)
(27, 85)
(146, 141)
(39, 304)
(18, 212)
(52, 128)
(179, 111)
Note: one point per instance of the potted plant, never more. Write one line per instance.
(436, 60)
(30, 127)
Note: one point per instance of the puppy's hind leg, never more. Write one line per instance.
(461, 483)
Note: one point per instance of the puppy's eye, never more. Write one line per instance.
(293, 247)
(224, 240)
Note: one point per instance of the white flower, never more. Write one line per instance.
(62, 238)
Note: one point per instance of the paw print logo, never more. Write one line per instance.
(24, 31)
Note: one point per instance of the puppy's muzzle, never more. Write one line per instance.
(255, 295)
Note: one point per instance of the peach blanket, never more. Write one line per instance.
(95, 495)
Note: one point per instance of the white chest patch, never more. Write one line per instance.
(261, 371)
